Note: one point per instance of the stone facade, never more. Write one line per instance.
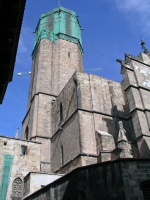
(90, 103)
(17, 158)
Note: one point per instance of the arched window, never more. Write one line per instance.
(27, 133)
(17, 189)
(145, 186)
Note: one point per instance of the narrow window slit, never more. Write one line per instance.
(23, 150)
(5, 143)
(61, 112)
(62, 155)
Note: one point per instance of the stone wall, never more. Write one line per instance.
(52, 67)
(17, 159)
(35, 181)
(86, 104)
(120, 179)
(38, 121)
(50, 64)
(68, 100)
(136, 75)
(65, 144)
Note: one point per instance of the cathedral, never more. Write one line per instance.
(84, 137)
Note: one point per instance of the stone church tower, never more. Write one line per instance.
(57, 54)
(80, 118)
(76, 119)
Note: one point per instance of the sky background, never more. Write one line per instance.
(111, 28)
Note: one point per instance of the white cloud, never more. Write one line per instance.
(141, 6)
(137, 11)
(22, 47)
(25, 46)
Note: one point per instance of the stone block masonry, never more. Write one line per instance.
(17, 159)
(136, 74)
(53, 65)
(88, 103)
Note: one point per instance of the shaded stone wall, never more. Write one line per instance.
(120, 179)
(65, 145)
(68, 100)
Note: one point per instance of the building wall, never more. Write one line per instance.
(89, 103)
(15, 165)
(38, 121)
(35, 181)
(65, 144)
(136, 75)
(53, 65)
(50, 64)
(68, 99)
(120, 179)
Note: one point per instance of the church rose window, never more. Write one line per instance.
(17, 189)
(146, 190)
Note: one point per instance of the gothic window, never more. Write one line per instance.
(146, 190)
(61, 112)
(27, 133)
(17, 189)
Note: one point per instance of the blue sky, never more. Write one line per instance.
(111, 28)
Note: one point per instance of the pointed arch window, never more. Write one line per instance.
(145, 186)
(17, 189)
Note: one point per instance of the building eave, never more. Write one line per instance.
(11, 16)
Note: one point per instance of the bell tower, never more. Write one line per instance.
(56, 55)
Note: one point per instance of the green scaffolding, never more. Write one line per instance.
(6, 173)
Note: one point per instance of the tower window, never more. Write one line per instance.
(23, 150)
(61, 112)
(5, 143)
(62, 155)
(146, 190)
(69, 54)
